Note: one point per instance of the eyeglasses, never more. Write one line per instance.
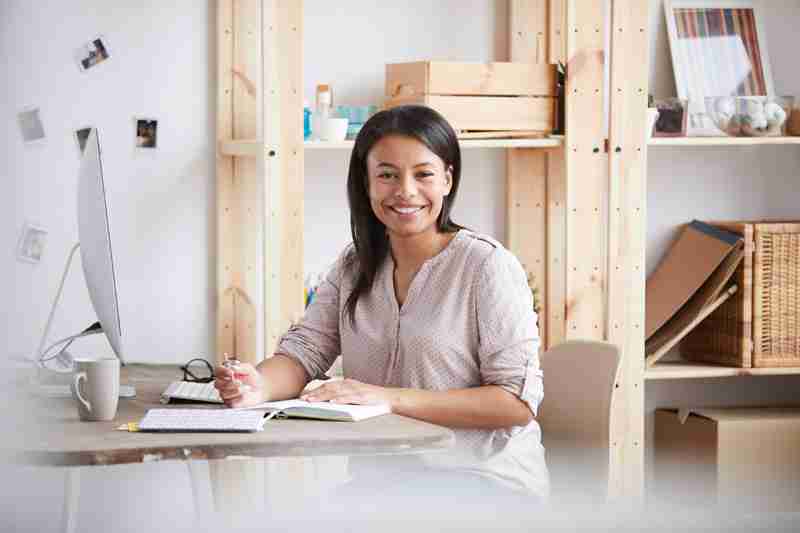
(198, 371)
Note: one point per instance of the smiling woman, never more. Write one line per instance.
(430, 318)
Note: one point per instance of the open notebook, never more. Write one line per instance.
(248, 419)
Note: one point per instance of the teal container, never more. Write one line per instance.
(306, 123)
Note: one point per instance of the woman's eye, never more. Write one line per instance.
(424, 175)
(385, 175)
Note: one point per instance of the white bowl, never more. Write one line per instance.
(334, 129)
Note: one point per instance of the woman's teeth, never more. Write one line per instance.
(407, 210)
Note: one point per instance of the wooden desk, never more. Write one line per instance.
(55, 436)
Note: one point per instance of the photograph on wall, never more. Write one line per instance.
(31, 244)
(92, 53)
(30, 125)
(718, 49)
(81, 135)
(146, 133)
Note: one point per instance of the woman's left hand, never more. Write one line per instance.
(350, 391)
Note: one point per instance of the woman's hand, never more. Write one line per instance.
(241, 386)
(350, 391)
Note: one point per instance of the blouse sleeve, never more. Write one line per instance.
(507, 332)
(314, 341)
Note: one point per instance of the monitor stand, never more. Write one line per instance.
(56, 384)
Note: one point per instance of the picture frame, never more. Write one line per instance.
(146, 133)
(81, 136)
(31, 243)
(92, 53)
(31, 126)
(718, 48)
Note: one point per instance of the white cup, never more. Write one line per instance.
(334, 129)
(95, 387)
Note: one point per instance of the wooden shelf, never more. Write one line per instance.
(252, 147)
(720, 141)
(689, 370)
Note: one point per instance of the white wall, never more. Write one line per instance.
(160, 202)
(162, 56)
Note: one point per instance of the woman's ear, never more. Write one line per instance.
(448, 175)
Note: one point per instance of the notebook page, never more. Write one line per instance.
(335, 410)
(202, 420)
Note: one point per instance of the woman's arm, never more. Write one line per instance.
(485, 407)
(283, 377)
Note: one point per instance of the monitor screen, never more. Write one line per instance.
(94, 234)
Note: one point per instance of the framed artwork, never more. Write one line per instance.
(719, 48)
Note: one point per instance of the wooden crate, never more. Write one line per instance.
(470, 79)
(488, 113)
(491, 97)
(759, 326)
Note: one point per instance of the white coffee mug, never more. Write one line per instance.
(95, 387)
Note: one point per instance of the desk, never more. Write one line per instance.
(59, 438)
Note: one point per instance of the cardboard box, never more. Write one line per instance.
(470, 79)
(747, 458)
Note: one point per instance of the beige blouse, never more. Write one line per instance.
(467, 321)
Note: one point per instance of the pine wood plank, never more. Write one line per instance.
(526, 206)
(627, 227)
(282, 28)
(587, 173)
(528, 31)
(226, 211)
(555, 304)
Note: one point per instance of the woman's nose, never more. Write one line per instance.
(408, 187)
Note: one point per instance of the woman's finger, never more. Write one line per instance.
(357, 399)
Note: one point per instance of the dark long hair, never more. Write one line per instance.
(370, 242)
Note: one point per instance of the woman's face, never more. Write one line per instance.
(407, 185)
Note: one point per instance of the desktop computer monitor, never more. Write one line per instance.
(94, 234)
(97, 259)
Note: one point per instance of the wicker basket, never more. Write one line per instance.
(759, 326)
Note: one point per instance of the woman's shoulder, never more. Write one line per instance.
(488, 255)
(481, 247)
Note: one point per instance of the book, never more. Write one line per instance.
(697, 252)
(249, 419)
(709, 296)
(320, 410)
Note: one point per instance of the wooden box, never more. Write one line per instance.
(478, 96)
(743, 457)
(759, 326)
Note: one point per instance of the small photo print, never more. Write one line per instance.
(92, 53)
(30, 125)
(146, 133)
(31, 244)
(81, 135)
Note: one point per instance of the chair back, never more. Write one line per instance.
(579, 380)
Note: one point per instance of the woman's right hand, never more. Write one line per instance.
(241, 386)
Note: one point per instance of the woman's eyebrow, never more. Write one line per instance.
(423, 164)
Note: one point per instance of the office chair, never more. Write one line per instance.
(579, 382)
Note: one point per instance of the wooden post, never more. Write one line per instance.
(237, 204)
(526, 203)
(587, 173)
(526, 171)
(282, 27)
(626, 238)
(556, 293)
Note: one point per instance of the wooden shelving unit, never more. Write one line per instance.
(252, 148)
(689, 370)
(575, 210)
(721, 141)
